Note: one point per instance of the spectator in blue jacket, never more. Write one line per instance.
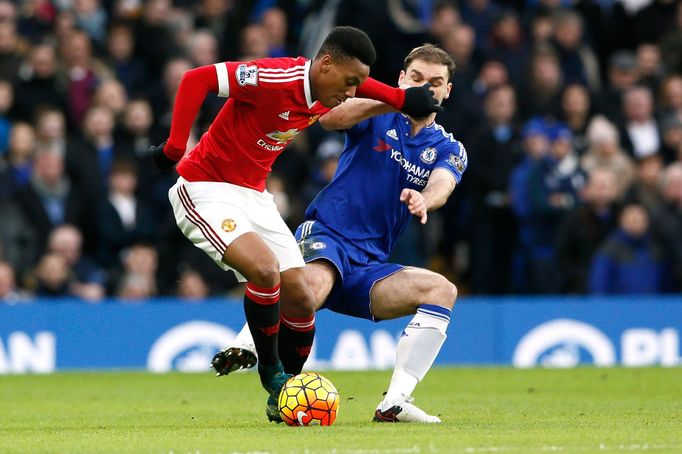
(535, 135)
(631, 261)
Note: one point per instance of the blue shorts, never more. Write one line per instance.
(358, 273)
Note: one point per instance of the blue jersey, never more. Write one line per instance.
(380, 158)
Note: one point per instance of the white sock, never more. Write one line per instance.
(417, 349)
(244, 340)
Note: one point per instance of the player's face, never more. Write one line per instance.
(338, 80)
(420, 72)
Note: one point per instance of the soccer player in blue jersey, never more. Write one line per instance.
(392, 167)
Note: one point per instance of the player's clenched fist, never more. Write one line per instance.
(420, 102)
(415, 203)
(159, 157)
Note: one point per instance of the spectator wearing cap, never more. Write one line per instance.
(535, 134)
(605, 152)
(553, 186)
(640, 135)
(622, 75)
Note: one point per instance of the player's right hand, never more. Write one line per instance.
(159, 157)
(420, 102)
(415, 203)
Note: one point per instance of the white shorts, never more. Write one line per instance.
(212, 215)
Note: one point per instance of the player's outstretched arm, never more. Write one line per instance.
(438, 189)
(194, 87)
(352, 112)
(435, 194)
(417, 102)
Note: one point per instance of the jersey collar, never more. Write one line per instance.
(409, 120)
(306, 85)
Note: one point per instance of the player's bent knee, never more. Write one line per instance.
(298, 301)
(451, 294)
(264, 274)
(444, 293)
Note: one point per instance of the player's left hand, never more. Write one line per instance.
(415, 203)
(420, 102)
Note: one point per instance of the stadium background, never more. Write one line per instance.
(569, 110)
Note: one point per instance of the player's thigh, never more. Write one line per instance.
(253, 259)
(403, 292)
(321, 275)
(208, 222)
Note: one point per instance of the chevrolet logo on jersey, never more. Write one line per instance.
(283, 137)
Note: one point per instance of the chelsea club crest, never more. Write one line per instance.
(428, 156)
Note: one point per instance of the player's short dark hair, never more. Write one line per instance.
(348, 43)
(431, 54)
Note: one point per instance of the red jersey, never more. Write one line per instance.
(269, 103)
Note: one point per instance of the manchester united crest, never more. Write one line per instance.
(229, 225)
(283, 137)
(313, 119)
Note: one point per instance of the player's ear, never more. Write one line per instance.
(326, 63)
(401, 78)
(447, 92)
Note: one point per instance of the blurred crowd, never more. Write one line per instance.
(571, 113)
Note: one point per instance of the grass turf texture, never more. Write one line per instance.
(484, 410)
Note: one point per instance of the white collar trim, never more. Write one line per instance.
(306, 85)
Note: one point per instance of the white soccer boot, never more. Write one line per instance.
(403, 411)
(240, 355)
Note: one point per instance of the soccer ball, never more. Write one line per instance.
(309, 399)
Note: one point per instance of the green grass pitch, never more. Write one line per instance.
(485, 410)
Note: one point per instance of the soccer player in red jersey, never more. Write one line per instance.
(220, 202)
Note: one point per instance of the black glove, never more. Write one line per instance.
(159, 157)
(420, 102)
